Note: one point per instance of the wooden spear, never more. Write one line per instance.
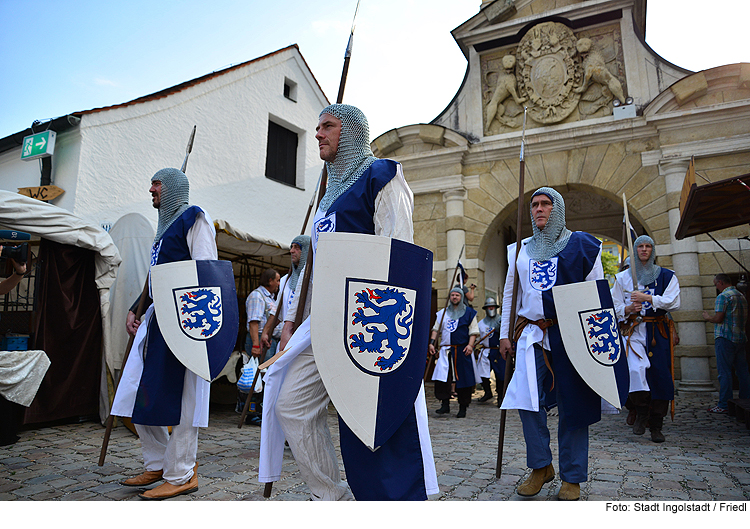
(514, 300)
(321, 191)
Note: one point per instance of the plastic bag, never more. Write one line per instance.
(248, 373)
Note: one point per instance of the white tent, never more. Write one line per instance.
(47, 221)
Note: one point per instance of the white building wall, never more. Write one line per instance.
(105, 165)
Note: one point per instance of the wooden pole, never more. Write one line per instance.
(514, 300)
(138, 314)
(322, 187)
(111, 418)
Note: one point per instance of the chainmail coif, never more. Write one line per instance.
(553, 238)
(353, 155)
(175, 193)
(646, 273)
(303, 241)
(454, 312)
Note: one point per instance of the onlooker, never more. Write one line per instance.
(729, 321)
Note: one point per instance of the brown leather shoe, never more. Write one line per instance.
(534, 483)
(630, 420)
(167, 490)
(569, 491)
(143, 480)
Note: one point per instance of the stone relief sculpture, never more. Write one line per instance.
(553, 73)
(548, 70)
(505, 87)
(595, 69)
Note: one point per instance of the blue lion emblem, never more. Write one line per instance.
(202, 310)
(543, 274)
(646, 305)
(325, 225)
(602, 334)
(389, 306)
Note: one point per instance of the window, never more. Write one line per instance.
(281, 154)
(290, 89)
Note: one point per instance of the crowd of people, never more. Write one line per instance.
(365, 195)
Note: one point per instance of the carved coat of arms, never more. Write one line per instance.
(548, 71)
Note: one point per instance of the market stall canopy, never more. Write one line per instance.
(713, 206)
(233, 242)
(40, 219)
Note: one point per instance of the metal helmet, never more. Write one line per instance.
(490, 302)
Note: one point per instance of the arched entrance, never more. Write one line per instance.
(586, 209)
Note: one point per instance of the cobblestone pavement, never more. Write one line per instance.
(705, 457)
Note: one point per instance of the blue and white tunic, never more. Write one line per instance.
(579, 261)
(650, 366)
(151, 387)
(454, 336)
(379, 203)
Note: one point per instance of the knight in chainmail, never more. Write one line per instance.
(489, 360)
(544, 375)
(649, 335)
(455, 333)
(175, 193)
(184, 232)
(271, 334)
(369, 196)
(353, 156)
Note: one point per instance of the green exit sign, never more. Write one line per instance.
(38, 145)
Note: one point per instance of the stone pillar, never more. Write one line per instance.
(455, 233)
(693, 353)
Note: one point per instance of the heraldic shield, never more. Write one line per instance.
(196, 307)
(588, 326)
(369, 327)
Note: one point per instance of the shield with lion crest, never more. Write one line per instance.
(370, 320)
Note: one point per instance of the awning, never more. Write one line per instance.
(234, 244)
(714, 206)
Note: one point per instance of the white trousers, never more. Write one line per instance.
(302, 412)
(174, 454)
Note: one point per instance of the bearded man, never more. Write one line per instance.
(458, 331)
(156, 390)
(369, 196)
(544, 374)
(648, 334)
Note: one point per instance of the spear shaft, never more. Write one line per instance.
(514, 300)
(138, 315)
(321, 191)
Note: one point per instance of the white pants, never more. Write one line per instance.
(302, 412)
(174, 454)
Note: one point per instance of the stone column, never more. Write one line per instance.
(693, 353)
(455, 233)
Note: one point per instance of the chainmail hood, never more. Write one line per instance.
(455, 312)
(646, 273)
(175, 193)
(353, 154)
(553, 238)
(303, 241)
